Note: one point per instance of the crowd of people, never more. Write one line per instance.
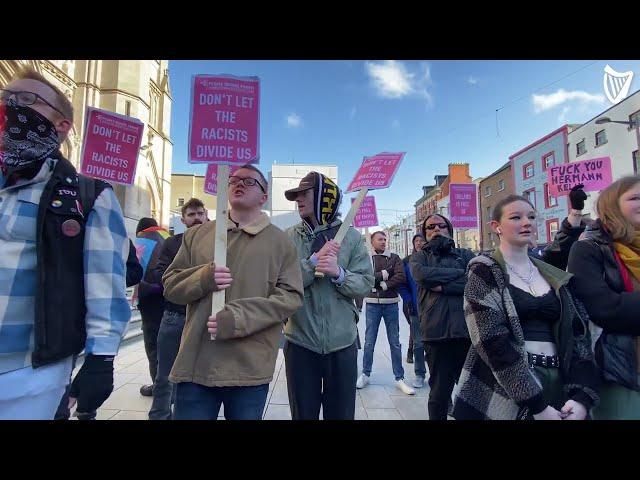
(547, 335)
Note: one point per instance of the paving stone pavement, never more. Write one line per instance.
(380, 400)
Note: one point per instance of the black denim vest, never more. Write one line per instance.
(59, 326)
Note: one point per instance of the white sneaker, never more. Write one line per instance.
(363, 381)
(418, 382)
(405, 388)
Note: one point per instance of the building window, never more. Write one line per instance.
(180, 202)
(500, 185)
(634, 117)
(528, 170)
(548, 160)
(636, 165)
(488, 214)
(580, 148)
(127, 108)
(487, 191)
(552, 228)
(549, 200)
(531, 196)
(601, 138)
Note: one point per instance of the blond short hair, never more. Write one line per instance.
(608, 208)
(63, 103)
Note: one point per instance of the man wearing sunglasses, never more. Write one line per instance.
(62, 268)
(263, 286)
(439, 270)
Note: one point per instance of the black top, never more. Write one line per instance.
(168, 252)
(134, 269)
(537, 314)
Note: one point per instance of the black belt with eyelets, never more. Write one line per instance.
(552, 361)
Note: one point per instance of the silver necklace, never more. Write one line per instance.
(527, 281)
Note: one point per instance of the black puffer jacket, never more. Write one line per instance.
(557, 252)
(441, 314)
(598, 283)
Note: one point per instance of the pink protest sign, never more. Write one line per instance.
(376, 172)
(211, 178)
(367, 216)
(111, 146)
(595, 174)
(463, 205)
(225, 117)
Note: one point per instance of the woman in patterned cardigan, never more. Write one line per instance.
(531, 348)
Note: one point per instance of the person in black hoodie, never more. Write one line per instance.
(149, 240)
(172, 324)
(439, 270)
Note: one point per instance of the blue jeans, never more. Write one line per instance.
(375, 312)
(197, 402)
(420, 368)
(168, 345)
(33, 393)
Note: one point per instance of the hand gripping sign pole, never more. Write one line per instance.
(375, 172)
(223, 130)
(348, 220)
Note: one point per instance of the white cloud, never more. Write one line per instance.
(562, 118)
(543, 102)
(294, 121)
(471, 80)
(393, 79)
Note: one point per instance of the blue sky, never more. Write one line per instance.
(336, 112)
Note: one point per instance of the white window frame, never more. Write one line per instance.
(584, 143)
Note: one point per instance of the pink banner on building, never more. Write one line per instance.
(367, 215)
(376, 172)
(211, 178)
(225, 119)
(463, 205)
(111, 146)
(595, 174)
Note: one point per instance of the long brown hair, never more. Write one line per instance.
(608, 208)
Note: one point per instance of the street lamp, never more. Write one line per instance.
(630, 124)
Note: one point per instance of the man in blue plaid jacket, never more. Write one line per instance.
(62, 267)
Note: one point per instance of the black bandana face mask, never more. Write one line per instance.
(27, 138)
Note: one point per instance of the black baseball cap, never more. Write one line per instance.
(308, 182)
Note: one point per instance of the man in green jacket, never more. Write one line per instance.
(320, 352)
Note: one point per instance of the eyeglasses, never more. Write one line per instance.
(24, 99)
(441, 226)
(247, 182)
